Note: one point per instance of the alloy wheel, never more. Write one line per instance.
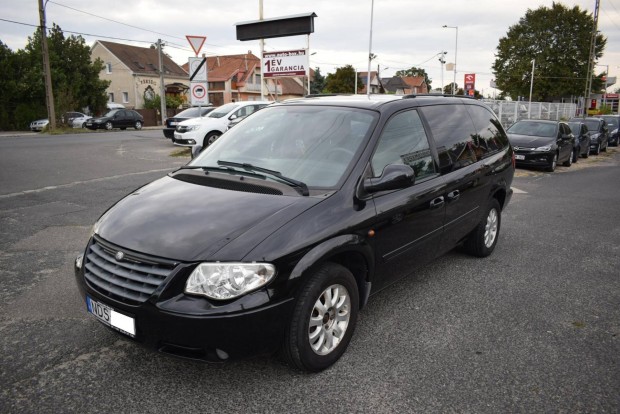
(329, 319)
(490, 229)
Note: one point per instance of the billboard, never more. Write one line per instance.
(285, 63)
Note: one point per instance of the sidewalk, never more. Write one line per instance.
(7, 134)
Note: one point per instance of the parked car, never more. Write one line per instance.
(277, 234)
(582, 139)
(39, 125)
(172, 122)
(80, 122)
(599, 134)
(542, 143)
(205, 130)
(117, 118)
(613, 122)
(68, 117)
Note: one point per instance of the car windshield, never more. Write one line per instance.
(575, 127)
(223, 110)
(533, 128)
(111, 112)
(310, 144)
(192, 112)
(592, 124)
(612, 122)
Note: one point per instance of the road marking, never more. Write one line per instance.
(73, 184)
(517, 191)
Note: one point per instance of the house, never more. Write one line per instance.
(375, 82)
(134, 73)
(237, 78)
(405, 85)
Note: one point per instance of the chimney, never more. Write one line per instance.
(218, 60)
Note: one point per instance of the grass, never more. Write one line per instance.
(183, 152)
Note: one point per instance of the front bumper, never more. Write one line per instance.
(184, 140)
(533, 158)
(194, 327)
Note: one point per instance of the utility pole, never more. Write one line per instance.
(162, 87)
(47, 74)
(591, 56)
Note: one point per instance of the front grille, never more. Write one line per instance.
(133, 278)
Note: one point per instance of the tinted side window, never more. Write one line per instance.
(453, 130)
(404, 141)
(490, 136)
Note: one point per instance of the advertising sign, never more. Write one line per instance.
(470, 82)
(285, 63)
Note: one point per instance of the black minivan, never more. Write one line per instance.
(291, 220)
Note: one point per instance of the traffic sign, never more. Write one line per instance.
(196, 42)
(199, 94)
(197, 69)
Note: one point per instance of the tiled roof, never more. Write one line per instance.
(143, 59)
(414, 81)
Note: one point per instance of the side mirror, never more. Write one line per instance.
(393, 177)
(233, 116)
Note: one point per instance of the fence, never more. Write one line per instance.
(510, 112)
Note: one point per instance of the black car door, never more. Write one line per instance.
(462, 149)
(409, 220)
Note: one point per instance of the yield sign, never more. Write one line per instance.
(196, 42)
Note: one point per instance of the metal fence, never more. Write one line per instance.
(510, 112)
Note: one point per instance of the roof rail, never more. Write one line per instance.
(316, 95)
(437, 94)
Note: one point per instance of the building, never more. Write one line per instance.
(405, 85)
(375, 82)
(134, 73)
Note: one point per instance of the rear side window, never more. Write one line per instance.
(490, 136)
(404, 141)
(453, 132)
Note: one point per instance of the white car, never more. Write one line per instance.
(39, 125)
(81, 121)
(205, 130)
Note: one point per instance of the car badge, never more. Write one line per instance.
(119, 256)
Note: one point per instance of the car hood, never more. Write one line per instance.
(201, 120)
(184, 221)
(529, 141)
(100, 119)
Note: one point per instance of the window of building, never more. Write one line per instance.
(108, 68)
(110, 97)
(125, 97)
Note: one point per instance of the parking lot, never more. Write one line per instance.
(532, 328)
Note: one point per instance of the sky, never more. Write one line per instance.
(405, 33)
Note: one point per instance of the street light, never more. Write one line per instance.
(456, 45)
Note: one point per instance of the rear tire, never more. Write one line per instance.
(138, 125)
(323, 320)
(482, 241)
(554, 163)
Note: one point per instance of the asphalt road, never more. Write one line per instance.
(533, 328)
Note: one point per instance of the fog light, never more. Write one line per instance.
(79, 261)
(221, 354)
(191, 141)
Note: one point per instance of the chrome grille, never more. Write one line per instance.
(130, 278)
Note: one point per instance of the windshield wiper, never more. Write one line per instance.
(301, 185)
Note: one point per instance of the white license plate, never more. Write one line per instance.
(110, 317)
(519, 157)
(173, 123)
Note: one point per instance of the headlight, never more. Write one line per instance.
(543, 149)
(595, 136)
(193, 127)
(224, 281)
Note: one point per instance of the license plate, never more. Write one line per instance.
(110, 317)
(519, 157)
(173, 123)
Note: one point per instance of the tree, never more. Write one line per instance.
(75, 79)
(558, 39)
(343, 81)
(417, 72)
(318, 84)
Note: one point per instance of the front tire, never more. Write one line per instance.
(569, 161)
(554, 163)
(324, 319)
(108, 126)
(482, 241)
(210, 139)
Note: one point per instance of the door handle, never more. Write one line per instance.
(453, 195)
(437, 202)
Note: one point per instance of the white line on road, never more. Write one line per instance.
(73, 184)
(517, 191)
